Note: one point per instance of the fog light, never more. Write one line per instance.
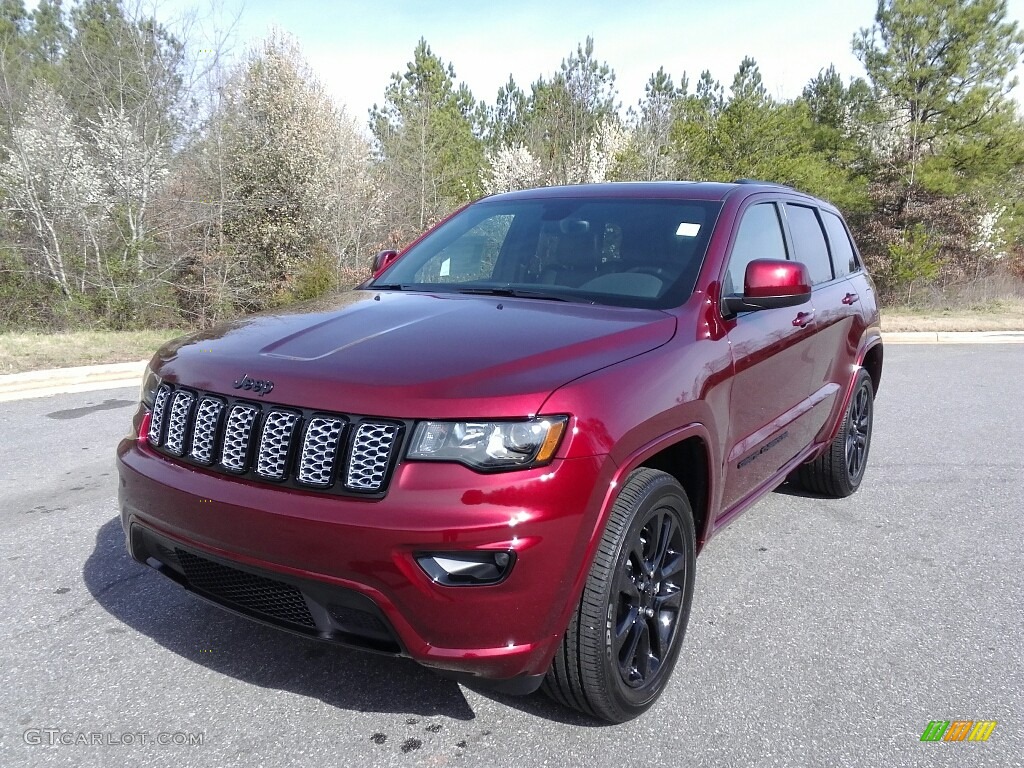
(464, 569)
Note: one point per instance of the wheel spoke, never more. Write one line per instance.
(628, 648)
(639, 557)
(674, 563)
(667, 527)
(642, 659)
(622, 627)
(669, 602)
(625, 585)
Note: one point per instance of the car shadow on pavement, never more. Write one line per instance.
(230, 645)
(791, 488)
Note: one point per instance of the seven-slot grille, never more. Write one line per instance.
(267, 442)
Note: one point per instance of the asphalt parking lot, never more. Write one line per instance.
(823, 633)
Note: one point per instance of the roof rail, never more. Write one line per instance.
(763, 183)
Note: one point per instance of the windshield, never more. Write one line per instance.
(627, 252)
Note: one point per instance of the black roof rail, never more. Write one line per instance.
(763, 183)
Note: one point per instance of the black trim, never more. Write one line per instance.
(338, 615)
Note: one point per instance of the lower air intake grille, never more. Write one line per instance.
(246, 590)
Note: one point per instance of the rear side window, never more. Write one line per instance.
(760, 237)
(843, 258)
(809, 242)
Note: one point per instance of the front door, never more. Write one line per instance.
(773, 359)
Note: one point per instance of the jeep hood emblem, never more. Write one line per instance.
(260, 386)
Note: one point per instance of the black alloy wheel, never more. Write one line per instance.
(839, 470)
(649, 595)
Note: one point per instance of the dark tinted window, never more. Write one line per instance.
(843, 258)
(809, 242)
(759, 237)
(631, 252)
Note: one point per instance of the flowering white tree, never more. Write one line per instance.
(279, 142)
(52, 186)
(606, 143)
(989, 237)
(356, 199)
(511, 168)
(132, 170)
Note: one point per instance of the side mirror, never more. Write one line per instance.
(383, 260)
(770, 284)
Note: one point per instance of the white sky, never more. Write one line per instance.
(355, 45)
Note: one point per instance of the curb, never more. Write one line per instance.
(953, 337)
(91, 378)
(56, 381)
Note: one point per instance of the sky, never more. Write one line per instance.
(355, 45)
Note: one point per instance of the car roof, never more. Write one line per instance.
(666, 190)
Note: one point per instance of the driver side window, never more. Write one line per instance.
(759, 237)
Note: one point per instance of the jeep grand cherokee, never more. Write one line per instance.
(501, 454)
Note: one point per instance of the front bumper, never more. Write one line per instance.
(351, 561)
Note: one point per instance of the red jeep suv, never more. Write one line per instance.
(501, 454)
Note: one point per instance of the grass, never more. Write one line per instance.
(37, 351)
(997, 315)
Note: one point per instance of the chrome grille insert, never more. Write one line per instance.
(275, 445)
(319, 450)
(156, 422)
(177, 423)
(234, 453)
(204, 433)
(371, 456)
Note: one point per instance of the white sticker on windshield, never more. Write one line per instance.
(687, 229)
(446, 268)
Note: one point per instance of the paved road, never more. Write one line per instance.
(823, 633)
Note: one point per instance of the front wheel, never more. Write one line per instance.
(624, 637)
(840, 469)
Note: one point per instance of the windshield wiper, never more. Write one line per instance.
(389, 287)
(518, 293)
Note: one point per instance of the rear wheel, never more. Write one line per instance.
(624, 637)
(839, 470)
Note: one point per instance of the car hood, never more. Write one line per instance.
(416, 355)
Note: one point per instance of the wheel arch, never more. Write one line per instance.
(686, 455)
(871, 361)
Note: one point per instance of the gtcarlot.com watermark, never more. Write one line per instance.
(58, 737)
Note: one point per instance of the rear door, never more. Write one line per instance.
(773, 358)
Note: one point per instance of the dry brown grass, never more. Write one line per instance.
(36, 351)
(1000, 315)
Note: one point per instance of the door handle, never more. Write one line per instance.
(803, 319)
(850, 298)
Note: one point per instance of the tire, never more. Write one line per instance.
(839, 470)
(613, 662)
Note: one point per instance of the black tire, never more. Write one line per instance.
(839, 470)
(616, 656)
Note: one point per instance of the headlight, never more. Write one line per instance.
(489, 444)
(150, 383)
